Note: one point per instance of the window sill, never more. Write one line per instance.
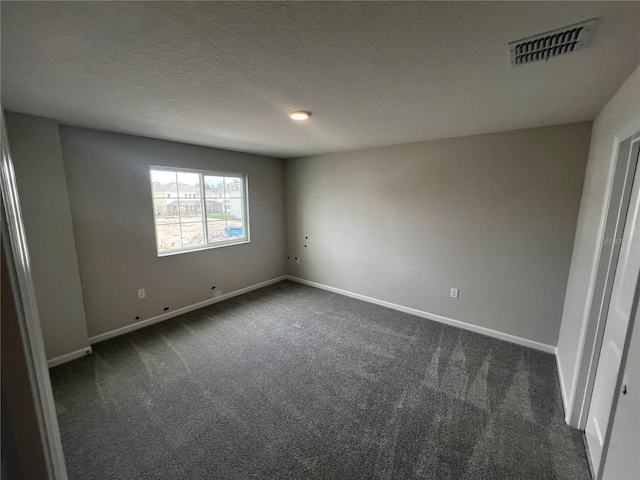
(200, 248)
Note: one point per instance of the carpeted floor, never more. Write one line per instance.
(292, 382)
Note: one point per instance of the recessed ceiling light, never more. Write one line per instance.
(299, 115)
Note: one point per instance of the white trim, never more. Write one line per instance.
(189, 308)
(19, 269)
(578, 403)
(613, 163)
(588, 452)
(246, 238)
(54, 362)
(625, 133)
(432, 316)
(178, 251)
(563, 391)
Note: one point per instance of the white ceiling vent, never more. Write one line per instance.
(551, 44)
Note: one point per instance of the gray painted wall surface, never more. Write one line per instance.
(42, 187)
(493, 215)
(619, 114)
(110, 193)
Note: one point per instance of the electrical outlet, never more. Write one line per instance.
(141, 294)
(454, 293)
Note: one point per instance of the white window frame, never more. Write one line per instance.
(203, 206)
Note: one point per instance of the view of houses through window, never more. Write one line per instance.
(198, 209)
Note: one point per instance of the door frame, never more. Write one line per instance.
(619, 382)
(620, 182)
(19, 270)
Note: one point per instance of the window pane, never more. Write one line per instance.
(192, 234)
(216, 230)
(190, 210)
(235, 228)
(189, 207)
(168, 235)
(234, 197)
(215, 204)
(164, 187)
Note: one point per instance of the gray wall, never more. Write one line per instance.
(37, 157)
(621, 112)
(110, 193)
(493, 215)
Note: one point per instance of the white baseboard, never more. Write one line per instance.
(54, 362)
(432, 316)
(189, 308)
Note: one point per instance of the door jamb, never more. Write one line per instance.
(19, 266)
(620, 181)
(619, 381)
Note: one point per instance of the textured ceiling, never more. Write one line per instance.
(380, 73)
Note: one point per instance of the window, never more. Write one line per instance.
(197, 209)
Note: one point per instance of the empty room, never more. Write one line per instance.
(320, 240)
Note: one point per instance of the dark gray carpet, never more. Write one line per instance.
(292, 382)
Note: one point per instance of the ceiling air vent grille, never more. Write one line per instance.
(551, 44)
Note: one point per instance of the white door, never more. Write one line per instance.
(615, 333)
